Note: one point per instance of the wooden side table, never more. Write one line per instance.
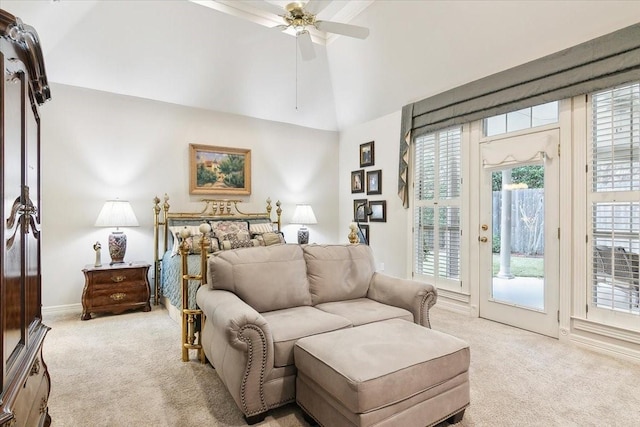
(115, 288)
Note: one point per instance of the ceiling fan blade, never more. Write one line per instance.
(344, 29)
(306, 46)
(266, 7)
(316, 6)
(280, 27)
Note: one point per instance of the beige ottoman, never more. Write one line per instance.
(391, 373)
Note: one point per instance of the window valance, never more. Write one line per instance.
(597, 64)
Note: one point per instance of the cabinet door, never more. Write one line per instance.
(13, 245)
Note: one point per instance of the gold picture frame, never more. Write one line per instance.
(219, 170)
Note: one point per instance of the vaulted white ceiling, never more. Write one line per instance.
(182, 52)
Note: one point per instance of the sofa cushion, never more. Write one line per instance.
(290, 324)
(364, 310)
(338, 272)
(267, 278)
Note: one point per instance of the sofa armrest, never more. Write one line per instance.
(240, 347)
(414, 296)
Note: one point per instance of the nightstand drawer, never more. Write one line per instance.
(117, 276)
(125, 293)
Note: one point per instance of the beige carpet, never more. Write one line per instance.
(125, 370)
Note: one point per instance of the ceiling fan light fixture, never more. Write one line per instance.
(299, 17)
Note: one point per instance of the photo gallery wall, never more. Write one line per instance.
(369, 182)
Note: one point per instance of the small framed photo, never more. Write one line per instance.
(378, 210)
(359, 212)
(374, 182)
(366, 154)
(365, 233)
(357, 181)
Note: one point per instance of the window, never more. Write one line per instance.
(437, 206)
(614, 197)
(526, 118)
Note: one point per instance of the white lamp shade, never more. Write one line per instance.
(303, 215)
(116, 213)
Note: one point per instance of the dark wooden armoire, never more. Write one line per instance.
(25, 380)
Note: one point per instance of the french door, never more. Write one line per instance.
(518, 236)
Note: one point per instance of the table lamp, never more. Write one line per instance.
(303, 215)
(117, 213)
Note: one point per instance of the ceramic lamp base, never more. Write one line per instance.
(303, 236)
(117, 247)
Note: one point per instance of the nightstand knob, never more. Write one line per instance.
(118, 279)
(119, 296)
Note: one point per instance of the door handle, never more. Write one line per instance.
(483, 239)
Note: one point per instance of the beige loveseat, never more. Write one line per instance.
(259, 301)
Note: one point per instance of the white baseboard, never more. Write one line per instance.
(454, 301)
(67, 308)
(604, 347)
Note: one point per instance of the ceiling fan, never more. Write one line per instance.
(300, 16)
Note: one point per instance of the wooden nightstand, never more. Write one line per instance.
(115, 288)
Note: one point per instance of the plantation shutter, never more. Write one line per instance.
(436, 231)
(615, 198)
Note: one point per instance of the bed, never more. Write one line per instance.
(181, 250)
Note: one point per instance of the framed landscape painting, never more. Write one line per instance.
(219, 170)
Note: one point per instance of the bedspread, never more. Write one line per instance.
(170, 279)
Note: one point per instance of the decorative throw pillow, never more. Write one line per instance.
(196, 244)
(241, 244)
(242, 237)
(175, 234)
(272, 238)
(260, 227)
(221, 229)
(225, 245)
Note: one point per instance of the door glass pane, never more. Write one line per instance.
(518, 236)
(544, 114)
(518, 120)
(525, 118)
(496, 125)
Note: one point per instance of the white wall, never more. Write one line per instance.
(98, 145)
(388, 240)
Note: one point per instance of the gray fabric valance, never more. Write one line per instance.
(597, 64)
